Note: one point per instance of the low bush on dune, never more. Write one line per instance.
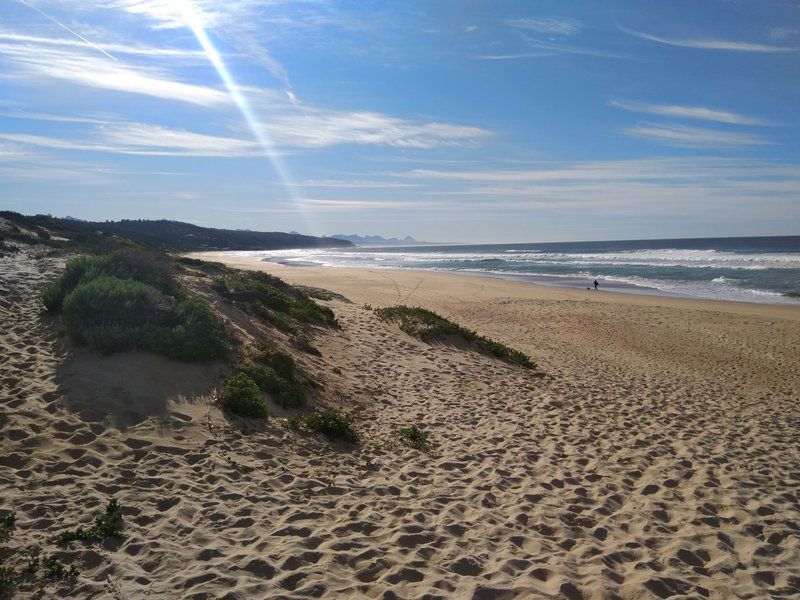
(427, 326)
(274, 372)
(332, 423)
(241, 396)
(149, 268)
(273, 299)
(131, 301)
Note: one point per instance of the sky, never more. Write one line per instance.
(451, 120)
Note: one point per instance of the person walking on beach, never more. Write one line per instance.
(595, 285)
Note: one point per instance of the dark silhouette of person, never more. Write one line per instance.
(595, 285)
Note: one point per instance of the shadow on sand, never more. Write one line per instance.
(125, 389)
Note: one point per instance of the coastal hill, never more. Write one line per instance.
(170, 235)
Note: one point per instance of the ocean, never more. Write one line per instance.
(749, 269)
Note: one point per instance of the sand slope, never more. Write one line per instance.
(657, 457)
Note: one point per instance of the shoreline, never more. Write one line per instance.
(313, 275)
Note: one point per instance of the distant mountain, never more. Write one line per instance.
(166, 235)
(376, 239)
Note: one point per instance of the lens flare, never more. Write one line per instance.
(195, 23)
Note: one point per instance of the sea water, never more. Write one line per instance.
(751, 269)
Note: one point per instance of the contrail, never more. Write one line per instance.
(60, 24)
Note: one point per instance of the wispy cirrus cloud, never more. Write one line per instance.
(230, 19)
(639, 186)
(688, 112)
(287, 124)
(686, 136)
(708, 168)
(355, 184)
(128, 49)
(318, 128)
(709, 44)
(292, 123)
(145, 140)
(31, 63)
(547, 25)
(532, 30)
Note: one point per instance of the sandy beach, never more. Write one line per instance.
(655, 455)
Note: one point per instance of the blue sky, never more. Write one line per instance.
(481, 121)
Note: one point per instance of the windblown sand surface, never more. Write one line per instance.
(658, 456)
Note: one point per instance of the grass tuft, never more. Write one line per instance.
(332, 423)
(427, 326)
(109, 524)
(413, 437)
(53, 568)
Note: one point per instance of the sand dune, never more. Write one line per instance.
(657, 456)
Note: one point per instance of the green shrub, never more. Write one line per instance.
(332, 423)
(413, 437)
(53, 568)
(268, 295)
(291, 396)
(280, 321)
(112, 315)
(287, 394)
(8, 582)
(109, 524)
(307, 310)
(241, 396)
(194, 332)
(428, 326)
(147, 267)
(7, 524)
(283, 364)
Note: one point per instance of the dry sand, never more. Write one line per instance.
(657, 457)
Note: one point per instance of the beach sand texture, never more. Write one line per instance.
(656, 457)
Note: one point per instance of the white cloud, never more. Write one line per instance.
(230, 19)
(515, 56)
(115, 48)
(688, 112)
(558, 48)
(355, 184)
(547, 25)
(32, 62)
(360, 204)
(644, 186)
(661, 170)
(301, 125)
(709, 44)
(147, 140)
(686, 136)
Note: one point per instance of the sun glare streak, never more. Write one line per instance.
(194, 22)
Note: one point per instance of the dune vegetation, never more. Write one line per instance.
(430, 327)
(131, 300)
